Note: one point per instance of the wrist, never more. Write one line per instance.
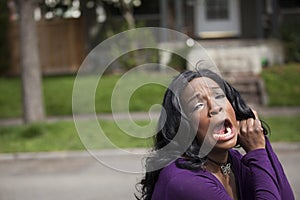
(249, 149)
(255, 155)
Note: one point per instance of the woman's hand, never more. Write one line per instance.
(251, 135)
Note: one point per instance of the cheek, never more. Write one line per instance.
(195, 119)
(231, 115)
(230, 112)
(200, 124)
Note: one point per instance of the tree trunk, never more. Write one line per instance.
(33, 108)
(129, 19)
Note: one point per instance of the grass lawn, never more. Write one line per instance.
(284, 128)
(62, 136)
(283, 84)
(10, 98)
(58, 95)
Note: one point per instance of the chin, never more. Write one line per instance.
(226, 145)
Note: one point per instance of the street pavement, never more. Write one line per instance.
(66, 176)
(80, 176)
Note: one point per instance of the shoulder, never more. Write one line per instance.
(172, 174)
(177, 183)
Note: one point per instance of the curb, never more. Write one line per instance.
(70, 154)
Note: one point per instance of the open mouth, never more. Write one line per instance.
(223, 131)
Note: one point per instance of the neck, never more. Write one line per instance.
(217, 160)
(218, 156)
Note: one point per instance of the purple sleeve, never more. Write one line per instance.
(283, 184)
(195, 188)
(268, 178)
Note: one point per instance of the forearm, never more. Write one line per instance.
(264, 179)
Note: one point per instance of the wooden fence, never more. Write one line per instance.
(61, 46)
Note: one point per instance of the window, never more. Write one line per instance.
(217, 9)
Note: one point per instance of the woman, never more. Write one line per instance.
(203, 118)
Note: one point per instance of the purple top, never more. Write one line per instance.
(259, 175)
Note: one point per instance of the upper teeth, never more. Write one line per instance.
(228, 130)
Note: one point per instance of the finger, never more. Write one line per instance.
(250, 125)
(259, 122)
(250, 122)
(243, 126)
(257, 125)
(238, 123)
(255, 114)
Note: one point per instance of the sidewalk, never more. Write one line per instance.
(263, 111)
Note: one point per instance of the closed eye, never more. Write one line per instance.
(220, 96)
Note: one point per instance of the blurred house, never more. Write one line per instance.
(241, 36)
(242, 31)
(238, 25)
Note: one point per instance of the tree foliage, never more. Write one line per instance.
(74, 8)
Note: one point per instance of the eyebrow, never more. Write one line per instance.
(193, 97)
(215, 88)
(198, 93)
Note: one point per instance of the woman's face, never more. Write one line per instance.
(210, 113)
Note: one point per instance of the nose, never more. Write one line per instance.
(214, 109)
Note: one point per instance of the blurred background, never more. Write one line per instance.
(255, 44)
